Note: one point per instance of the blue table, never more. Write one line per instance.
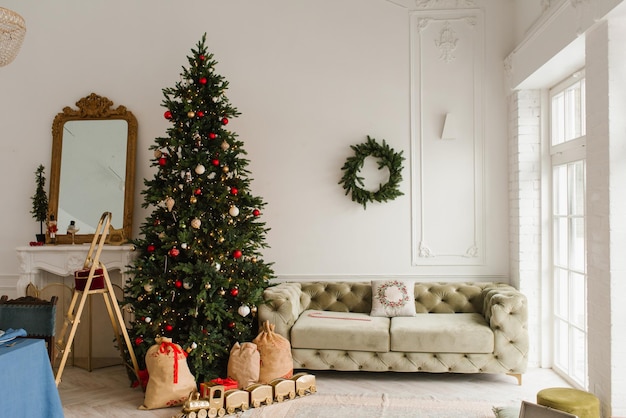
(27, 387)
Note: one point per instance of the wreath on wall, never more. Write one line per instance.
(387, 157)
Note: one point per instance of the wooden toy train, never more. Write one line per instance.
(216, 401)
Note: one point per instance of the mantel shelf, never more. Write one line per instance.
(63, 260)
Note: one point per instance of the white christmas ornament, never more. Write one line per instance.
(225, 145)
(194, 345)
(243, 310)
(218, 266)
(233, 211)
(148, 287)
(200, 169)
(148, 319)
(195, 223)
(187, 285)
(169, 203)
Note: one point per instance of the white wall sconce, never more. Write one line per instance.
(12, 32)
(449, 130)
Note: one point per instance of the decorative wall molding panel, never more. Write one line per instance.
(434, 4)
(447, 71)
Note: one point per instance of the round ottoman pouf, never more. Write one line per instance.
(577, 402)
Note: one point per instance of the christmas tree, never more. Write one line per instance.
(198, 276)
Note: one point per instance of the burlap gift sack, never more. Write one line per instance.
(170, 380)
(275, 350)
(244, 364)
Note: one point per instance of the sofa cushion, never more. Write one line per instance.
(393, 298)
(328, 330)
(442, 333)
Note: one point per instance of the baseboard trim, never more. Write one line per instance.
(368, 277)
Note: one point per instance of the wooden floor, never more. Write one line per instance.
(106, 392)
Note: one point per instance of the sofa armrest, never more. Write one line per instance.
(282, 307)
(506, 312)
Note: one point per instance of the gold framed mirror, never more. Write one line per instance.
(92, 169)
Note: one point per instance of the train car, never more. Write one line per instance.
(215, 400)
(211, 405)
(305, 383)
(260, 393)
(236, 399)
(283, 388)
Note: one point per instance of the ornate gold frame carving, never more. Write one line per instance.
(93, 107)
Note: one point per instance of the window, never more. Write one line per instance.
(567, 152)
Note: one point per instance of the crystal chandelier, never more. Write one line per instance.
(12, 31)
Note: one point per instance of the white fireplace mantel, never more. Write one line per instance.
(63, 260)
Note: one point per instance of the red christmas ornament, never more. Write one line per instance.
(138, 340)
(234, 191)
(215, 162)
(157, 222)
(197, 192)
(151, 248)
(167, 114)
(201, 57)
(200, 114)
(256, 212)
(202, 80)
(169, 328)
(224, 121)
(212, 135)
(231, 325)
(162, 161)
(174, 252)
(234, 291)
(178, 284)
(237, 254)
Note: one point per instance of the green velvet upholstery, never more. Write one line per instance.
(340, 331)
(500, 313)
(36, 316)
(577, 402)
(447, 333)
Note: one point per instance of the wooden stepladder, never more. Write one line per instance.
(93, 279)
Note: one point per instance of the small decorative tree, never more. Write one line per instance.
(40, 202)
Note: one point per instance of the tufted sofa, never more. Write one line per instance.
(478, 327)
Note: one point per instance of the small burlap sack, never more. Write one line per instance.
(170, 380)
(275, 350)
(244, 364)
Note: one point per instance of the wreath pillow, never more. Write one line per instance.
(387, 157)
(393, 298)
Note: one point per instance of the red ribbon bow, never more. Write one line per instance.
(177, 350)
(228, 382)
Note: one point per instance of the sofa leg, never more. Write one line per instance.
(518, 376)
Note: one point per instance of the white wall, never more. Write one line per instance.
(310, 78)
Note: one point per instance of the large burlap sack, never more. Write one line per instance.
(244, 364)
(275, 350)
(170, 380)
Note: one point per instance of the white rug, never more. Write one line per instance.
(370, 406)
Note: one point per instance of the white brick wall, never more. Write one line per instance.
(525, 207)
(606, 213)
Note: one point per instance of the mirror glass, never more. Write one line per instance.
(92, 170)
